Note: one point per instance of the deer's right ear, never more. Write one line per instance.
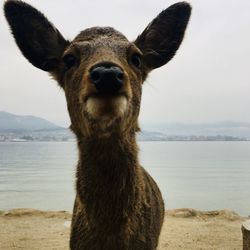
(39, 41)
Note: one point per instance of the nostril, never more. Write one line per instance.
(119, 76)
(95, 75)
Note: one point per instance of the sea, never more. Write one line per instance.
(200, 175)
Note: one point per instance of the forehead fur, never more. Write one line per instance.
(95, 33)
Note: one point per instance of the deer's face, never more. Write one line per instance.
(102, 75)
(100, 71)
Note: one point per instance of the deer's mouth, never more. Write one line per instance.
(107, 96)
(106, 106)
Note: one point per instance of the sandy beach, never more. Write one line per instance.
(183, 229)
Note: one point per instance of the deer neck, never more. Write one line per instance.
(107, 176)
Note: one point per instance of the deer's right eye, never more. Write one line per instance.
(69, 61)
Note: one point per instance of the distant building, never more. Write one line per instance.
(2, 138)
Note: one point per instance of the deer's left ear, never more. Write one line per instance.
(39, 41)
(163, 36)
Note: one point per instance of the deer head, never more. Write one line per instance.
(100, 71)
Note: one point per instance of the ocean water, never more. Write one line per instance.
(200, 175)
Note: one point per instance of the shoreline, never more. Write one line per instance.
(182, 229)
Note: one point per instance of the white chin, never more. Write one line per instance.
(106, 108)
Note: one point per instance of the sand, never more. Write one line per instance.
(187, 229)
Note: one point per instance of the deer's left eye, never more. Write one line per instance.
(136, 60)
(69, 60)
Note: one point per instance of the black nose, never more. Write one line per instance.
(108, 79)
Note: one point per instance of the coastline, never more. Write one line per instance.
(182, 229)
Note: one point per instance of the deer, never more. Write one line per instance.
(118, 205)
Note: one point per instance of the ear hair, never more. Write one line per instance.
(39, 41)
(163, 36)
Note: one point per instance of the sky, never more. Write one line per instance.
(207, 81)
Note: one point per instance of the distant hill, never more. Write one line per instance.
(37, 128)
(17, 123)
(226, 128)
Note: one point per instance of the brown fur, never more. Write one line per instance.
(118, 206)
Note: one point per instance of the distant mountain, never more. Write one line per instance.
(36, 128)
(226, 128)
(17, 123)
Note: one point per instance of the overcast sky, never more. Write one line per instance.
(207, 81)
